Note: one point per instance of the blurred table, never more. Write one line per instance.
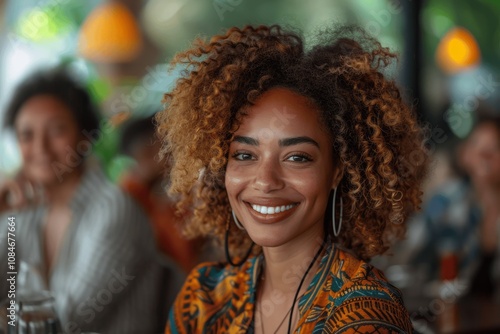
(447, 315)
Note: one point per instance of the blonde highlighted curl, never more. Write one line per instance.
(376, 136)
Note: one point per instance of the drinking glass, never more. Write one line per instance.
(34, 314)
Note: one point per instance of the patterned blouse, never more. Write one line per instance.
(346, 295)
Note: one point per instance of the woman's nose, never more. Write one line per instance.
(269, 176)
(40, 143)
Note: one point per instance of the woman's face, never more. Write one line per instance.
(484, 154)
(281, 170)
(48, 136)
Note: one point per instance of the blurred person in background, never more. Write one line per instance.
(457, 233)
(482, 161)
(89, 244)
(145, 182)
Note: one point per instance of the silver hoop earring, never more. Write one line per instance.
(238, 224)
(335, 231)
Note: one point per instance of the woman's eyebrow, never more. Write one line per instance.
(297, 140)
(282, 142)
(246, 140)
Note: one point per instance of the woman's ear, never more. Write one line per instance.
(338, 174)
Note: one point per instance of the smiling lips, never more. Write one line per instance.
(271, 214)
(269, 210)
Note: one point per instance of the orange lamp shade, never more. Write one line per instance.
(110, 34)
(457, 51)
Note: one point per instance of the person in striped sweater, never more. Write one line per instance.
(76, 234)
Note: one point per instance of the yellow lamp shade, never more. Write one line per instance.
(457, 51)
(110, 34)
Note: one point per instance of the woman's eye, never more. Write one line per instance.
(299, 158)
(57, 129)
(25, 136)
(242, 156)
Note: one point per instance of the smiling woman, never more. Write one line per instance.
(292, 167)
(309, 153)
(78, 233)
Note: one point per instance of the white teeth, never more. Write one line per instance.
(269, 210)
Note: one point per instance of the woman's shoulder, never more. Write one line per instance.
(357, 277)
(211, 289)
(362, 296)
(209, 270)
(96, 193)
(219, 282)
(95, 188)
(105, 212)
(212, 274)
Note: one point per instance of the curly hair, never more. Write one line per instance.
(376, 136)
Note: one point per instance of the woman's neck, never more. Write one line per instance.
(60, 193)
(489, 198)
(286, 265)
(287, 273)
(486, 190)
(489, 201)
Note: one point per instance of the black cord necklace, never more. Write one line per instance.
(302, 282)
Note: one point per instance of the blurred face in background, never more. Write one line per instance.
(483, 155)
(48, 135)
